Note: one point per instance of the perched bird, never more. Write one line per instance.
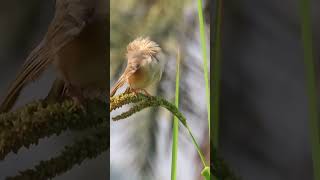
(145, 66)
(76, 43)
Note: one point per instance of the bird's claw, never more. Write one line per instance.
(77, 97)
(137, 91)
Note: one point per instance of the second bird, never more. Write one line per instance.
(76, 43)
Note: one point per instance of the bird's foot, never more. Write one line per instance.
(128, 90)
(137, 91)
(143, 91)
(77, 96)
(146, 92)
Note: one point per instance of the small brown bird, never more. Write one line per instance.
(145, 66)
(76, 43)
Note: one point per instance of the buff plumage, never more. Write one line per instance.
(144, 66)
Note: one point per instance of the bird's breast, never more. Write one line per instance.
(146, 75)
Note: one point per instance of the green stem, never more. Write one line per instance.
(175, 124)
(205, 59)
(311, 85)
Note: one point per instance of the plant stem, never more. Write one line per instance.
(311, 85)
(88, 147)
(205, 59)
(175, 124)
(37, 120)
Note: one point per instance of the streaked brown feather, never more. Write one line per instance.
(30, 71)
(123, 79)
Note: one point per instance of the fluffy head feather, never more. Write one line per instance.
(144, 45)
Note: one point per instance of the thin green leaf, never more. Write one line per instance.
(205, 58)
(175, 124)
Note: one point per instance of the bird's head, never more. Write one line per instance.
(144, 46)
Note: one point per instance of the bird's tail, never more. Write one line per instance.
(11, 98)
(31, 70)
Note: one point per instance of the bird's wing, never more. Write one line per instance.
(131, 68)
(65, 26)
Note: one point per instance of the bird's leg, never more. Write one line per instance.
(77, 96)
(136, 91)
(145, 92)
(128, 90)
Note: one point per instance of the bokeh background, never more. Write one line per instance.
(141, 145)
(264, 121)
(23, 24)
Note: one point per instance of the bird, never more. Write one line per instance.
(145, 65)
(76, 45)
